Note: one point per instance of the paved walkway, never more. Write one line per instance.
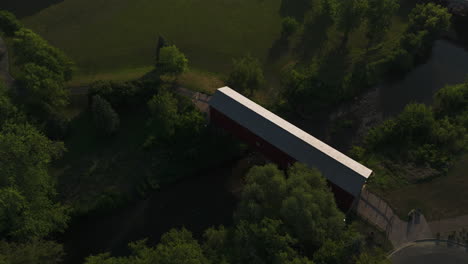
(5, 65)
(430, 252)
(399, 232)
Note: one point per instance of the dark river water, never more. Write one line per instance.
(208, 199)
(448, 65)
(196, 203)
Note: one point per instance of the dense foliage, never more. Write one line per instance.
(419, 135)
(31, 48)
(379, 18)
(246, 76)
(289, 26)
(105, 119)
(8, 23)
(350, 14)
(171, 61)
(302, 201)
(171, 119)
(27, 190)
(7, 109)
(36, 251)
(176, 247)
(124, 96)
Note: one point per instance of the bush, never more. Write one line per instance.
(289, 26)
(57, 127)
(451, 100)
(247, 75)
(31, 48)
(8, 23)
(171, 61)
(105, 118)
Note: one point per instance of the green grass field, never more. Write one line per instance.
(108, 38)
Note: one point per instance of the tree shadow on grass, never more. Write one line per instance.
(333, 66)
(295, 8)
(314, 36)
(279, 48)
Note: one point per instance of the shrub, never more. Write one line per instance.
(171, 61)
(8, 23)
(247, 75)
(120, 95)
(289, 26)
(105, 118)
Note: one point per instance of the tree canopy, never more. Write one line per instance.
(8, 23)
(379, 18)
(302, 201)
(106, 120)
(171, 61)
(350, 14)
(169, 118)
(7, 108)
(247, 75)
(45, 90)
(36, 251)
(31, 48)
(27, 207)
(176, 247)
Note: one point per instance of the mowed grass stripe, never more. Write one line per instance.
(102, 36)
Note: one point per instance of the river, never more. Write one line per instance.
(447, 65)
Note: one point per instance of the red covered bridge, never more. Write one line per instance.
(284, 143)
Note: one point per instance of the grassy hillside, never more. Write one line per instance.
(110, 37)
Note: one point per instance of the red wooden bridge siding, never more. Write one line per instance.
(344, 200)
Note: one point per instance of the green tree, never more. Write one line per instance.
(36, 251)
(7, 109)
(179, 247)
(451, 100)
(349, 15)
(289, 26)
(430, 17)
(106, 120)
(171, 61)
(377, 257)
(176, 247)
(426, 23)
(247, 75)
(258, 243)
(379, 18)
(31, 48)
(263, 243)
(44, 89)
(164, 115)
(27, 207)
(302, 201)
(8, 23)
